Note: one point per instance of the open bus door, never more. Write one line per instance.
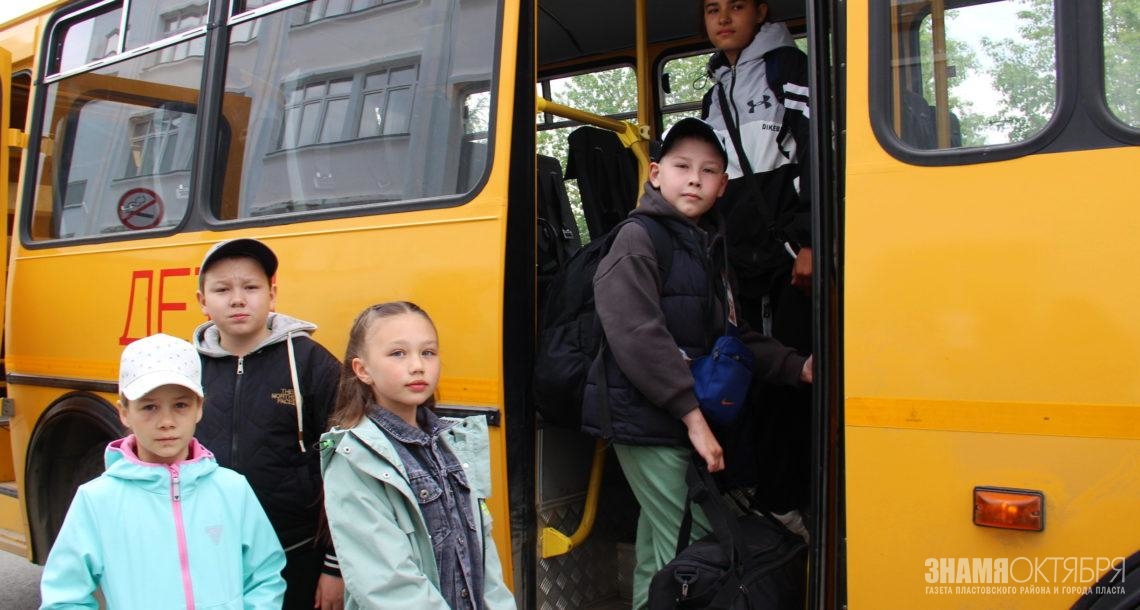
(11, 521)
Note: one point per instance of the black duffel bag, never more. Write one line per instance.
(750, 562)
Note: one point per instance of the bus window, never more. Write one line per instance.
(357, 103)
(1121, 54)
(123, 134)
(158, 19)
(611, 92)
(982, 73)
(684, 81)
(473, 155)
(88, 39)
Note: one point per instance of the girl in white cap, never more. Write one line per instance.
(164, 526)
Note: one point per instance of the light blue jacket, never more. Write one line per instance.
(380, 536)
(149, 539)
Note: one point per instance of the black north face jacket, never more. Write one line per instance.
(250, 420)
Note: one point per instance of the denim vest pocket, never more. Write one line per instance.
(429, 495)
(457, 474)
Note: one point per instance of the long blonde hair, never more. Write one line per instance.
(353, 395)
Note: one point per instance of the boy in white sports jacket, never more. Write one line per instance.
(758, 105)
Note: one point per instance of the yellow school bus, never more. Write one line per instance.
(975, 426)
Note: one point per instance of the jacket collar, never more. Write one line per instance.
(429, 425)
(122, 462)
(771, 36)
(652, 203)
(370, 450)
(209, 341)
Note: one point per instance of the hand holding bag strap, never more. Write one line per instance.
(742, 159)
(703, 491)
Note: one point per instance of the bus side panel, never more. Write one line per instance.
(990, 340)
(910, 508)
(448, 261)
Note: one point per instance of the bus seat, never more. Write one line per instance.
(920, 125)
(557, 232)
(607, 177)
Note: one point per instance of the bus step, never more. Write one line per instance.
(11, 521)
(13, 542)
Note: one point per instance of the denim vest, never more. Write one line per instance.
(440, 486)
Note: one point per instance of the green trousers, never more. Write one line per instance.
(657, 476)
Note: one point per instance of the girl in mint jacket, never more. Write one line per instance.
(405, 489)
(185, 535)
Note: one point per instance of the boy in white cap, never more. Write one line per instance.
(164, 526)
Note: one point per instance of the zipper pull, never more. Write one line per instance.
(175, 487)
(241, 365)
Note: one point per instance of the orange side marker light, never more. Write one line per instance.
(1014, 509)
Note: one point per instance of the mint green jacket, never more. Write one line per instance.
(380, 535)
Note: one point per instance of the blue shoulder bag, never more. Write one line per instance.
(722, 377)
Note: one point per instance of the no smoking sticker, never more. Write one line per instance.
(140, 208)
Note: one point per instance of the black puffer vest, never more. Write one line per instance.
(690, 312)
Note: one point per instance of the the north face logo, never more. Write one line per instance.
(285, 397)
(215, 533)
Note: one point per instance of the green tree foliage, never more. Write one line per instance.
(1025, 72)
(962, 62)
(1122, 59)
(610, 93)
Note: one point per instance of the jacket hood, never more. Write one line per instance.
(209, 341)
(122, 462)
(467, 438)
(771, 36)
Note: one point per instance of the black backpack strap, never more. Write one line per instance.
(742, 159)
(662, 242)
(706, 102)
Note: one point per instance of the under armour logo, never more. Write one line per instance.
(765, 101)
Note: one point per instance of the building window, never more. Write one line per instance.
(75, 195)
(181, 21)
(154, 144)
(387, 102)
(324, 111)
(323, 9)
(244, 31)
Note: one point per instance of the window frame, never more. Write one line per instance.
(213, 137)
(880, 89)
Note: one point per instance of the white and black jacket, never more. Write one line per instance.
(767, 95)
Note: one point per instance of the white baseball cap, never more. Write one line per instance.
(156, 361)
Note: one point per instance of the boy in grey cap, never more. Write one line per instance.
(269, 389)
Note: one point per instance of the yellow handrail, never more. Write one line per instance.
(629, 133)
(554, 542)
